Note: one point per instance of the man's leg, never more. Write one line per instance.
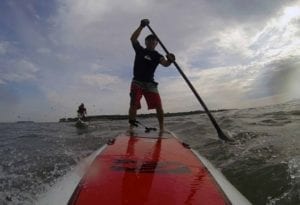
(154, 102)
(132, 115)
(160, 117)
(136, 93)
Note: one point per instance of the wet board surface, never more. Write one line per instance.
(143, 168)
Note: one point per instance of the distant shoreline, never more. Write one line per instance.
(25, 121)
(124, 117)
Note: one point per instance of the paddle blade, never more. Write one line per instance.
(222, 136)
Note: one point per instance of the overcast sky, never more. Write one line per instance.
(56, 54)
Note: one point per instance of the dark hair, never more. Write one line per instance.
(151, 37)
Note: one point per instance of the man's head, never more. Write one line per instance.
(151, 42)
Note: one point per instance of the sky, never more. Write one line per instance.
(57, 54)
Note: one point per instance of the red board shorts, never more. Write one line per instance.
(148, 90)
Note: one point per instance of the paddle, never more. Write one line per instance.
(212, 119)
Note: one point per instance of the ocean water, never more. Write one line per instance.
(39, 161)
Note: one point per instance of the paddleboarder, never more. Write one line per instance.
(143, 84)
(81, 111)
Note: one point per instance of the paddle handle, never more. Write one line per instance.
(212, 119)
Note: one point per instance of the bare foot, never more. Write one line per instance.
(130, 129)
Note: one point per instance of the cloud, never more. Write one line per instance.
(3, 47)
(99, 24)
(279, 37)
(7, 97)
(236, 87)
(45, 51)
(254, 11)
(226, 84)
(101, 80)
(234, 52)
(244, 65)
(248, 67)
(274, 78)
(18, 71)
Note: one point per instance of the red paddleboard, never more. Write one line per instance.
(143, 168)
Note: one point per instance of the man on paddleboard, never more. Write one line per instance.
(143, 84)
(81, 111)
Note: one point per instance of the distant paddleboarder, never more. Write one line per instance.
(143, 84)
(81, 111)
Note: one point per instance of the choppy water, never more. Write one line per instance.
(264, 163)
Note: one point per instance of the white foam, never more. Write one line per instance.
(62, 190)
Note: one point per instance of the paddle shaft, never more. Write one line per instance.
(212, 119)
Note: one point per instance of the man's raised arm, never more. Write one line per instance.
(137, 32)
